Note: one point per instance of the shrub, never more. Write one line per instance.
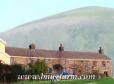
(39, 67)
(9, 73)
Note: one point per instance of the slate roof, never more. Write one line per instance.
(12, 51)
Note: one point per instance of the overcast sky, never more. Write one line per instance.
(17, 12)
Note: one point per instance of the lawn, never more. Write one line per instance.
(101, 81)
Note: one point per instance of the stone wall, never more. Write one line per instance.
(72, 66)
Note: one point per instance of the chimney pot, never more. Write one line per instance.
(61, 48)
(32, 46)
(100, 50)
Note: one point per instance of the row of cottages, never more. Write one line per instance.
(73, 62)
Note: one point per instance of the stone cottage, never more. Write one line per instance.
(72, 61)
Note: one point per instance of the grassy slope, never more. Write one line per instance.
(102, 81)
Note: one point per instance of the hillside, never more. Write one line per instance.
(83, 29)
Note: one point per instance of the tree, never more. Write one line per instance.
(39, 67)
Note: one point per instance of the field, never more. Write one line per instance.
(101, 81)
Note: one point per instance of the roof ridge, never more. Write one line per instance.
(13, 51)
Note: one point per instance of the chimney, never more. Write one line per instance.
(100, 50)
(61, 48)
(32, 46)
(31, 49)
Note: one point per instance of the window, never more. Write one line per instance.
(94, 63)
(108, 62)
(103, 64)
(82, 61)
